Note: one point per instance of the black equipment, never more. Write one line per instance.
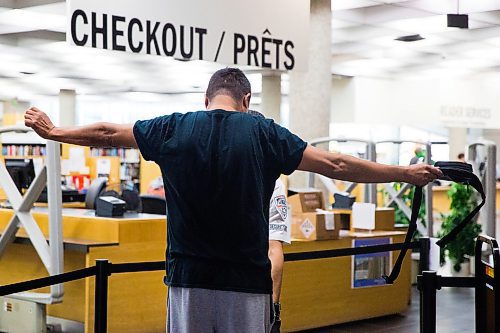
(343, 200)
(486, 284)
(107, 206)
(153, 204)
(68, 195)
(453, 171)
(95, 189)
(22, 172)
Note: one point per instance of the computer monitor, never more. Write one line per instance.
(22, 172)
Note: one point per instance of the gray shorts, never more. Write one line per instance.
(194, 310)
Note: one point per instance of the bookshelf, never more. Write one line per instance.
(128, 165)
(23, 150)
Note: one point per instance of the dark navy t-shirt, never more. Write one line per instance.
(219, 169)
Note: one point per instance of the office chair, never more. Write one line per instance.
(153, 204)
(96, 187)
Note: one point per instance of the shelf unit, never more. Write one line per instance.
(129, 162)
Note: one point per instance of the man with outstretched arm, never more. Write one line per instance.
(219, 167)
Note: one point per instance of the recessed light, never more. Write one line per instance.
(410, 38)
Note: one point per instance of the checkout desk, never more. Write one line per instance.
(136, 301)
(315, 293)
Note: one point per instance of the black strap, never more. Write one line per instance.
(417, 201)
(476, 184)
(455, 171)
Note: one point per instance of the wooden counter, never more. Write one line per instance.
(315, 292)
(319, 293)
(441, 202)
(133, 297)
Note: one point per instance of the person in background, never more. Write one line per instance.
(419, 156)
(461, 157)
(279, 233)
(156, 187)
(218, 270)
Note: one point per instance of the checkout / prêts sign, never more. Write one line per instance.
(268, 34)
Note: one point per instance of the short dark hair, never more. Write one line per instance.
(229, 81)
(461, 155)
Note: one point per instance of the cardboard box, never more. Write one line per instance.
(315, 226)
(384, 219)
(306, 201)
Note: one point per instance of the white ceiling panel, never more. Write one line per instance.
(492, 17)
(351, 4)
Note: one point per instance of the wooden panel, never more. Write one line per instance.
(137, 301)
(114, 176)
(90, 228)
(65, 148)
(318, 293)
(22, 263)
(148, 172)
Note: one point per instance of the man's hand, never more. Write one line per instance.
(421, 174)
(39, 122)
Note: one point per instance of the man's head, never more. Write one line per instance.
(231, 84)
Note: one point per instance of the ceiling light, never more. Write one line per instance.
(410, 38)
(458, 21)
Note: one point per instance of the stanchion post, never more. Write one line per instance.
(101, 296)
(428, 284)
(425, 248)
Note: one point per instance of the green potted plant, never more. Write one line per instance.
(463, 200)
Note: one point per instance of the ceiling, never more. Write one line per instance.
(364, 33)
(35, 60)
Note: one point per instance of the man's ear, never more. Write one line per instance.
(246, 101)
(207, 102)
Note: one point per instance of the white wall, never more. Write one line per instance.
(472, 103)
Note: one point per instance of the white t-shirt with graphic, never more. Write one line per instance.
(279, 215)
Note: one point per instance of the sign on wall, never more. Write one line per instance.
(269, 34)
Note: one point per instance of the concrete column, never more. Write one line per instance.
(457, 141)
(310, 91)
(271, 97)
(67, 107)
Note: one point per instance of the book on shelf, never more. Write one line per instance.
(21, 150)
(127, 155)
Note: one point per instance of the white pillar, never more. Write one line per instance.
(457, 141)
(67, 107)
(271, 97)
(310, 91)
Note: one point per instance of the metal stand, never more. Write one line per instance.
(487, 174)
(51, 255)
(487, 288)
(486, 284)
(101, 296)
(370, 193)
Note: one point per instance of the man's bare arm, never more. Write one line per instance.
(345, 167)
(95, 135)
(277, 260)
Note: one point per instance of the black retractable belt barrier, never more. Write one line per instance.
(453, 171)
(487, 288)
(486, 284)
